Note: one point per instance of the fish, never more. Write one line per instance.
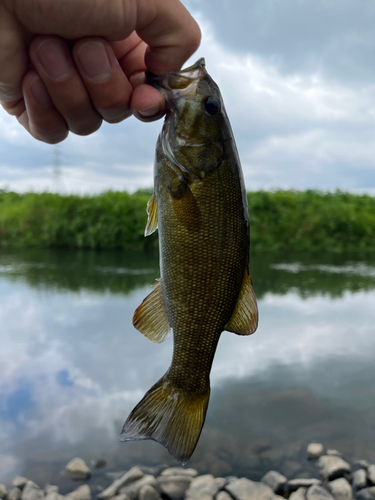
(199, 207)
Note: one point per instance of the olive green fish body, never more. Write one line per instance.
(200, 208)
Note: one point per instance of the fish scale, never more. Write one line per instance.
(200, 208)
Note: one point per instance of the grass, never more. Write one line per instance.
(310, 221)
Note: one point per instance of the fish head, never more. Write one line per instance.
(196, 125)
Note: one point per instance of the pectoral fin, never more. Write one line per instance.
(244, 320)
(185, 205)
(150, 317)
(152, 210)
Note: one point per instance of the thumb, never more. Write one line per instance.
(165, 25)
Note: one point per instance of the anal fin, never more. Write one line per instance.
(150, 317)
(244, 320)
(152, 211)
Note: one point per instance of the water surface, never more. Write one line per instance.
(72, 366)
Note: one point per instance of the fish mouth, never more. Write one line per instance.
(178, 81)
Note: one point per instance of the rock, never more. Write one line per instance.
(363, 464)
(205, 487)
(53, 496)
(131, 490)
(134, 474)
(340, 489)
(371, 474)
(300, 494)
(100, 462)
(19, 482)
(359, 479)
(81, 493)
(223, 495)
(174, 486)
(147, 492)
(14, 494)
(275, 481)
(32, 492)
(179, 471)
(315, 450)
(366, 494)
(77, 470)
(245, 489)
(317, 492)
(332, 467)
(50, 488)
(294, 484)
(3, 491)
(122, 496)
(334, 453)
(155, 471)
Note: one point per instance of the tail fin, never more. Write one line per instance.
(170, 417)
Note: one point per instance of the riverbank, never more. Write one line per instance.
(309, 221)
(337, 480)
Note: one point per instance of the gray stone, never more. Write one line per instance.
(53, 495)
(275, 481)
(315, 450)
(50, 488)
(245, 489)
(32, 492)
(334, 453)
(99, 462)
(371, 474)
(121, 496)
(179, 471)
(366, 494)
(205, 487)
(223, 495)
(300, 494)
(14, 494)
(359, 479)
(131, 490)
(81, 493)
(77, 470)
(174, 486)
(332, 467)
(132, 475)
(19, 482)
(301, 482)
(3, 490)
(340, 489)
(317, 492)
(363, 464)
(147, 492)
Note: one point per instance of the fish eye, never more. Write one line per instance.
(211, 105)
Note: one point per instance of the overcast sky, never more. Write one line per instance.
(298, 81)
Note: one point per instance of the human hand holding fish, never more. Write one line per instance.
(67, 65)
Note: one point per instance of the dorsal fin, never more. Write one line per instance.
(152, 210)
(244, 320)
(150, 317)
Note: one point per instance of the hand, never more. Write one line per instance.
(67, 65)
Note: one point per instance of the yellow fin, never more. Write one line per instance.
(150, 317)
(152, 211)
(169, 416)
(244, 320)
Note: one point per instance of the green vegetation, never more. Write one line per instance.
(280, 221)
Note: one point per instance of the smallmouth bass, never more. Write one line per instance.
(200, 208)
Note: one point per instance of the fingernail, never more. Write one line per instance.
(94, 61)
(40, 93)
(54, 58)
(150, 110)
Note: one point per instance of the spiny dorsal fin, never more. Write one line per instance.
(152, 210)
(150, 317)
(244, 320)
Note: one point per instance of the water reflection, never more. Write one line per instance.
(72, 366)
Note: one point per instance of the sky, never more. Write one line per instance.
(298, 82)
